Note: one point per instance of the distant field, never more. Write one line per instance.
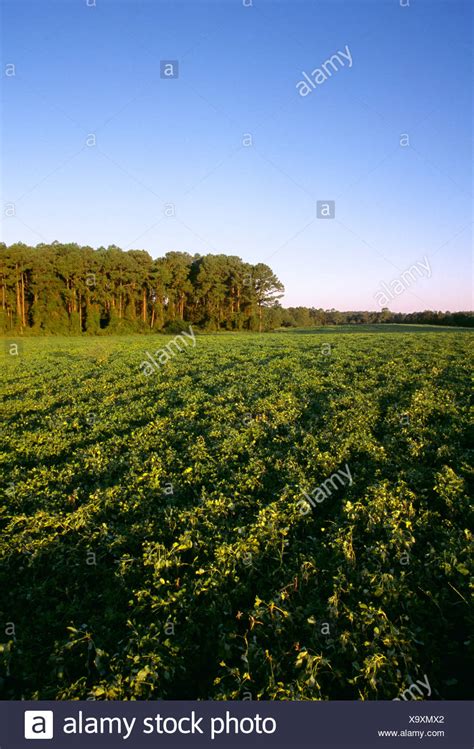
(263, 516)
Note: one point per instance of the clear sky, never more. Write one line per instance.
(180, 145)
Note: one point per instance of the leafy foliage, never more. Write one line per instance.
(152, 545)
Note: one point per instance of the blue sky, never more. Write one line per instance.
(83, 70)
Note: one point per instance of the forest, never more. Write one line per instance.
(66, 289)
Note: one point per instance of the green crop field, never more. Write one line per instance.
(275, 516)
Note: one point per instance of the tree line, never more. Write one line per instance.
(307, 317)
(68, 289)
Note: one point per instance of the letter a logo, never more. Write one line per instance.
(38, 724)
